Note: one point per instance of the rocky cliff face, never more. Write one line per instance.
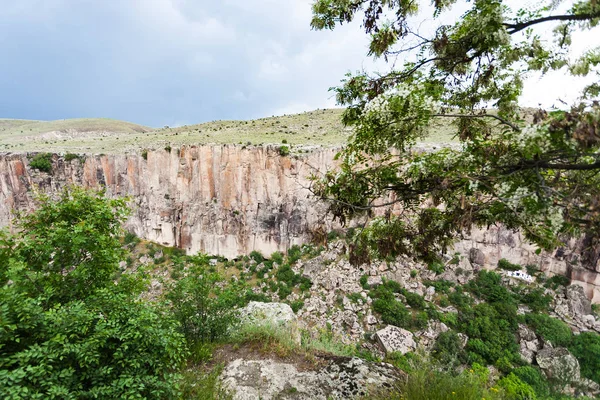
(225, 200)
(230, 200)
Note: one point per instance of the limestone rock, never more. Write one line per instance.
(528, 343)
(394, 339)
(476, 256)
(578, 303)
(342, 378)
(558, 364)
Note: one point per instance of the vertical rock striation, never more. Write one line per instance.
(219, 199)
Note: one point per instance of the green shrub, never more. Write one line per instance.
(447, 349)
(414, 300)
(363, 282)
(294, 254)
(556, 281)
(436, 266)
(537, 300)
(441, 286)
(534, 378)
(42, 162)
(277, 257)
(427, 382)
(504, 264)
(586, 347)
(145, 154)
(488, 286)
(72, 326)
(553, 330)
(516, 389)
(131, 238)
(284, 151)
(392, 311)
(168, 148)
(491, 333)
(204, 311)
(297, 305)
(257, 256)
(70, 157)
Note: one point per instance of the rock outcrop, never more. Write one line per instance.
(341, 378)
(226, 200)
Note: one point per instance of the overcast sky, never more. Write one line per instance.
(175, 62)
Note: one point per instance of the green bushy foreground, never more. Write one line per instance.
(73, 324)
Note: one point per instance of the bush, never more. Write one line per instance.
(284, 151)
(42, 162)
(488, 286)
(491, 332)
(257, 256)
(277, 257)
(70, 157)
(537, 300)
(586, 347)
(447, 349)
(131, 238)
(553, 330)
(516, 389)
(204, 311)
(436, 266)
(534, 378)
(72, 327)
(504, 264)
(556, 281)
(426, 382)
(145, 154)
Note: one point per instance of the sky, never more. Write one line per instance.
(178, 62)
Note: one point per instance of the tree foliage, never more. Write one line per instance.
(533, 171)
(72, 325)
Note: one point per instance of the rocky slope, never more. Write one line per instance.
(231, 200)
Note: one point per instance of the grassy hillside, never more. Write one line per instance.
(315, 128)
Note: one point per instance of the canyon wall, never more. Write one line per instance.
(221, 199)
(230, 200)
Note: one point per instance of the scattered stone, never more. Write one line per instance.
(528, 343)
(374, 280)
(394, 339)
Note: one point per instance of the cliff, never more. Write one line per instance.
(231, 200)
(224, 199)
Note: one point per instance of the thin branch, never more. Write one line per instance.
(504, 121)
(517, 27)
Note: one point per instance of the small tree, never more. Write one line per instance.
(71, 324)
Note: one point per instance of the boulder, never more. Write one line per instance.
(476, 256)
(558, 364)
(394, 339)
(528, 343)
(577, 301)
(341, 378)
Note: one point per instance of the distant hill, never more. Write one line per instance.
(314, 128)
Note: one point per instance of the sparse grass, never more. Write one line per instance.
(314, 128)
(203, 385)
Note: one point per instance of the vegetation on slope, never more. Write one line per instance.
(314, 128)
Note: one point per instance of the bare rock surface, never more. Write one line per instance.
(394, 339)
(558, 364)
(340, 378)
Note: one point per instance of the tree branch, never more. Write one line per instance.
(517, 27)
(504, 121)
